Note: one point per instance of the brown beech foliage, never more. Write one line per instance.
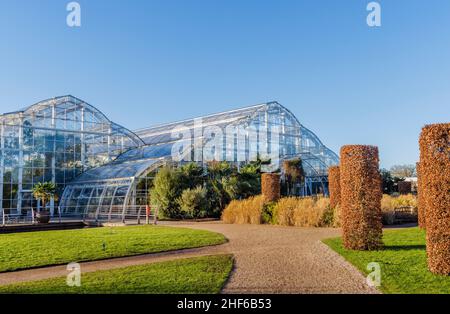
(360, 197)
(435, 175)
(420, 192)
(334, 185)
(270, 186)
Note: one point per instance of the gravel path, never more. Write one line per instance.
(268, 259)
(275, 259)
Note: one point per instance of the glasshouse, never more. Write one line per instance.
(102, 170)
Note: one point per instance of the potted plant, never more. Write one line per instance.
(44, 192)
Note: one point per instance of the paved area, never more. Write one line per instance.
(268, 259)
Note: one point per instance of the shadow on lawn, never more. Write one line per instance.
(404, 247)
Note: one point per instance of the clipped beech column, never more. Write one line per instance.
(435, 174)
(361, 197)
(420, 205)
(334, 186)
(270, 186)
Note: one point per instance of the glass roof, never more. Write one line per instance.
(159, 143)
(116, 171)
(68, 113)
(311, 146)
(109, 188)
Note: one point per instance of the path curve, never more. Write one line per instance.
(276, 259)
(268, 259)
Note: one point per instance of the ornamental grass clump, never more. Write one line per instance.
(435, 175)
(284, 211)
(248, 211)
(360, 197)
(420, 198)
(390, 204)
(304, 212)
(288, 211)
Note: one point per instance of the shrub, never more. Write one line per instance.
(334, 186)
(268, 215)
(360, 197)
(245, 183)
(191, 175)
(166, 191)
(218, 174)
(327, 216)
(248, 211)
(193, 202)
(435, 176)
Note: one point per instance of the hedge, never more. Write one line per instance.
(361, 197)
(270, 186)
(334, 186)
(435, 175)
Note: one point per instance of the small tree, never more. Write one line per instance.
(193, 202)
(45, 192)
(387, 181)
(244, 183)
(191, 175)
(165, 192)
(403, 171)
(218, 173)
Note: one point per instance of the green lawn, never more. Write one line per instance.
(193, 275)
(35, 249)
(403, 263)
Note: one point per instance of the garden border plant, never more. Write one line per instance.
(287, 211)
(420, 205)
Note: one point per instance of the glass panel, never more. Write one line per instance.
(118, 201)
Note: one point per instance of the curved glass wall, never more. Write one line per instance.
(103, 171)
(295, 140)
(98, 187)
(54, 141)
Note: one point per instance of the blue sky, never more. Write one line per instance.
(145, 61)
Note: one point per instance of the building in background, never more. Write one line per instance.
(103, 169)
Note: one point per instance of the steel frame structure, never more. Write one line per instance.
(110, 160)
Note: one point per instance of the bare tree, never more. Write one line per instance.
(403, 171)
